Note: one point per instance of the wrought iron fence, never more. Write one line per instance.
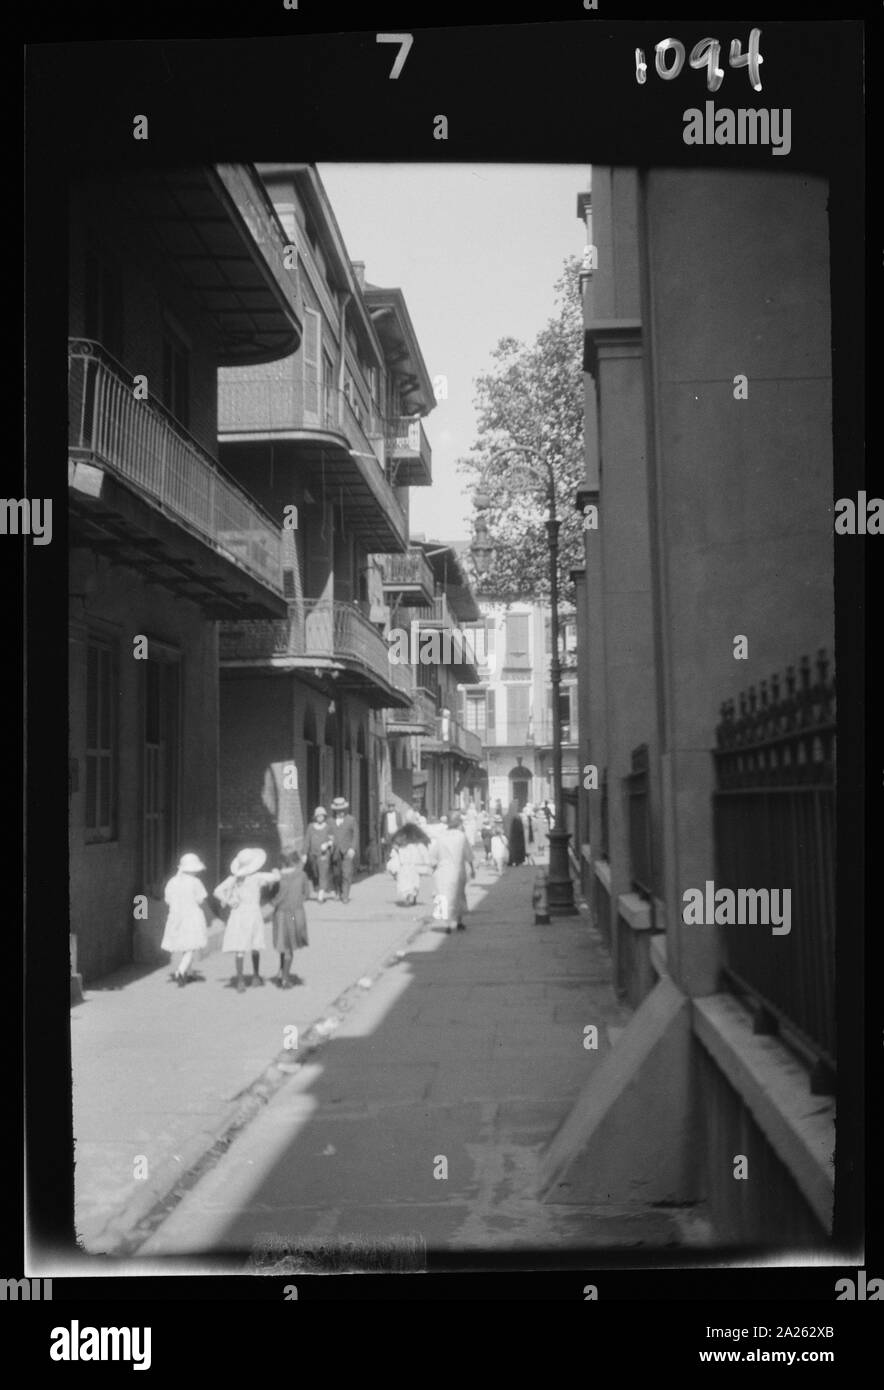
(774, 812)
(143, 443)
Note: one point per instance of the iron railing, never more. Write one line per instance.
(316, 628)
(410, 569)
(406, 440)
(450, 735)
(774, 812)
(638, 804)
(143, 443)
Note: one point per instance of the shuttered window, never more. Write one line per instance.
(311, 350)
(517, 635)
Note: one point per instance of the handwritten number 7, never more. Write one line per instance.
(405, 40)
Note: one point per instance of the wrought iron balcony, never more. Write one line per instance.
(451, 737)
(342, 442)
(141, 442)
(410, 576)
(419, 719)
(326, 634)
(408, 452)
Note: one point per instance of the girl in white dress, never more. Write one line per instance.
(246, 928)
(186, 923)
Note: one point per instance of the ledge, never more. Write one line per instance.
(602, 870)
(610, 338)
(799, 1126)
(635, 911)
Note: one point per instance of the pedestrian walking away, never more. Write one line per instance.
(345, 836)
(317, 849)
(289, 917)
(185, 929)
(515, 834)
(499, 850)
(408, 860)
(451, 856)
(391, 821)
(246, 928)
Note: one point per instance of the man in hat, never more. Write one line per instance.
(391, 821)
(345, 836)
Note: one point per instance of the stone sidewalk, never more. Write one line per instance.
(419, 1124)
(160, 1073)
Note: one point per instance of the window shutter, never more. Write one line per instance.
(312, 335)
(490, 710)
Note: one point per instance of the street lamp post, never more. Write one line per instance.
(560, 888)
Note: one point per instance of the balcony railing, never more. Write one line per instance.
(274, 398)
(527, 733)
(142, 442)
(421, 718)
(407, 572)
(316, 629)
(408, 450)
(774, 813)
(450, 735)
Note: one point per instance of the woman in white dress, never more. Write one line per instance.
(185, 929)
(246, 928)
(451, 855)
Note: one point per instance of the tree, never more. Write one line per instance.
(532, 395)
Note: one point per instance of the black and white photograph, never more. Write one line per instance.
(460, 572)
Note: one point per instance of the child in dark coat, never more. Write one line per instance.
(289, 917)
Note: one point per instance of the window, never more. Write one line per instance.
(310, 358)
(101, 740)
(476, 713)
(565, 713)
(518, 711)
(328, 391)
(489, 712)
(517, 637)
(176, 376)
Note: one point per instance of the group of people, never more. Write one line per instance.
(254, 898)
(330, 850)
(517, 836)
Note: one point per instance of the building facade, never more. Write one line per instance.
(330, 440)
(163, 543)
(705, 616)
(510, 705)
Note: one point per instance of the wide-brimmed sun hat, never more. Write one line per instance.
(340, 803)
(191, 864)
(320, 811)
(248, 861)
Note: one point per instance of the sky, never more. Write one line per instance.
(476, 249)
